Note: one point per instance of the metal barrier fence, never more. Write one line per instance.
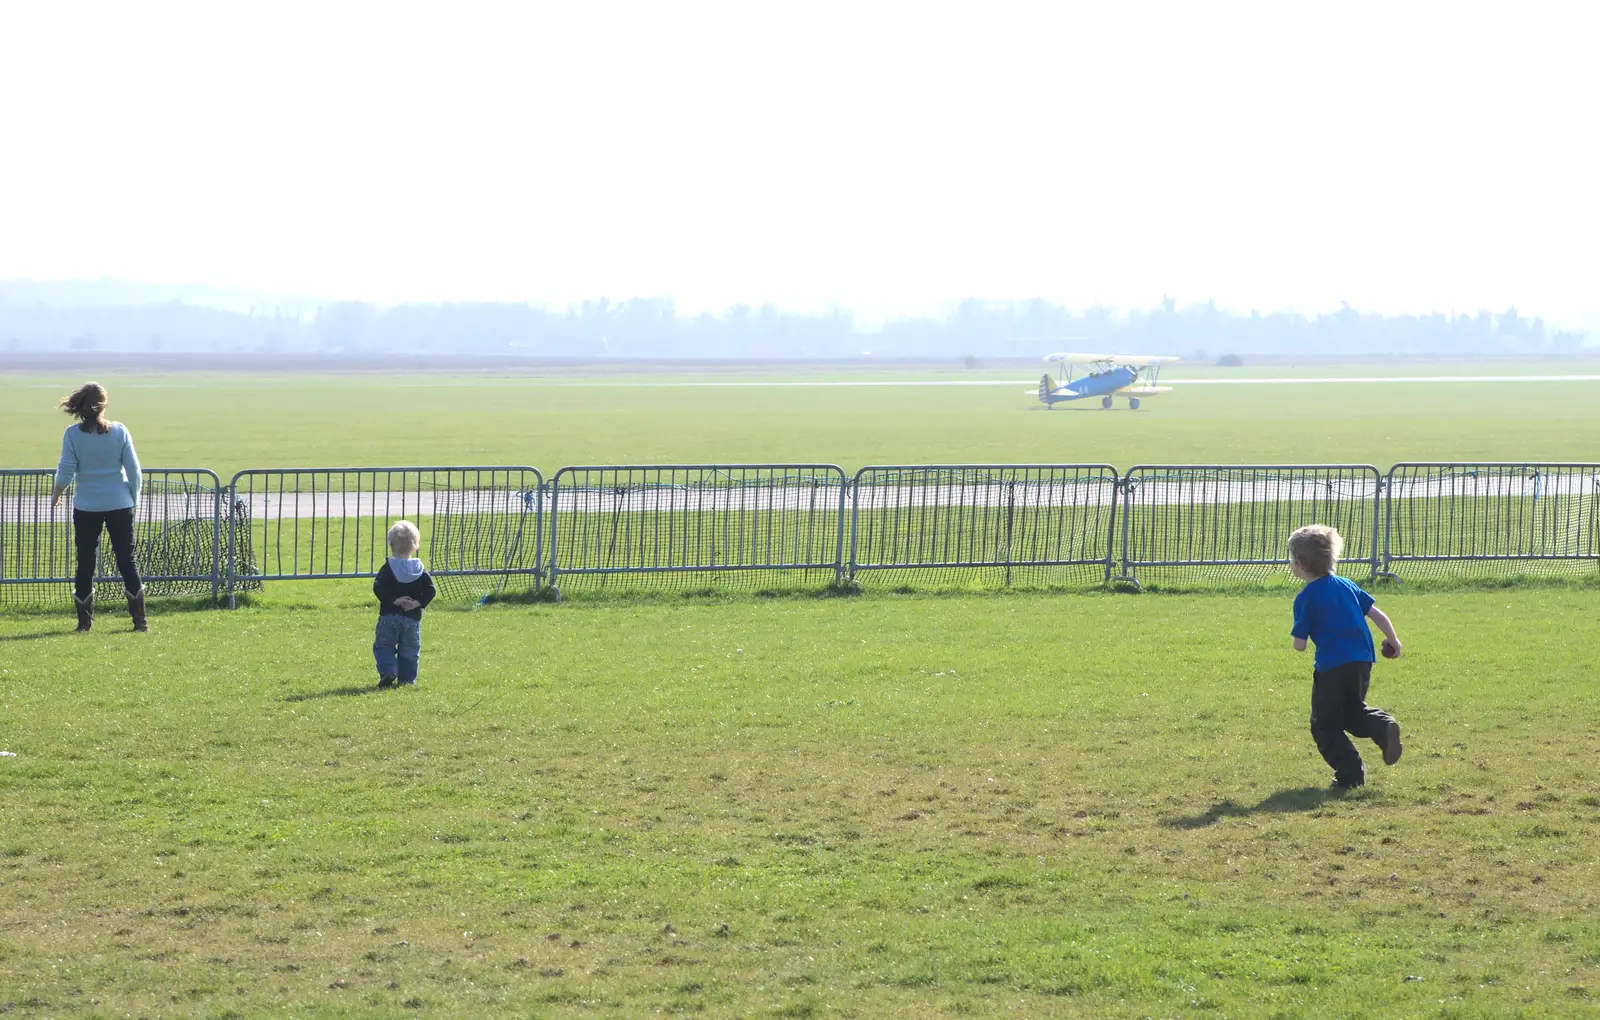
(775, 523)
(805, 524)
(480, 525)
(984, 522)
(1183, 522)
(177, 537)
(1499, 517)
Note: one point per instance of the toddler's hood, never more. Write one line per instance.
(406, 570)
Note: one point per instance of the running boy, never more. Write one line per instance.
(1332, 613)
(403, 588)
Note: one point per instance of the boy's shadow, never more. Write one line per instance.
(1301, 798)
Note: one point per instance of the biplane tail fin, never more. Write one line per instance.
(1046, 387)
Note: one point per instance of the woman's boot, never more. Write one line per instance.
(136, 610)
(85, 611)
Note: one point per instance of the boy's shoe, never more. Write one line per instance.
(1338, 787)
(1391, 743)
(385, 681)
(406, 683)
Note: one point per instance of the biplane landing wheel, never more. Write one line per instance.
(1133, 403)
(1105, 402)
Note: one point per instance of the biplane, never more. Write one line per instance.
(1105, 376)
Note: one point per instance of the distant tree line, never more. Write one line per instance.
(32, 319)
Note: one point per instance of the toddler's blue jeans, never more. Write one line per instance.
(397, 647)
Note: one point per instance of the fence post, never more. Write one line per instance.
(555, 506)
(216, 538)
(1111, 526)
(233, 537)
(855, 518)
(538, 532)
(1125, 486)
(1011, 523)
(845, 499)
(1384, 509)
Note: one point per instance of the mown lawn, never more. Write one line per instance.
(1022, 805)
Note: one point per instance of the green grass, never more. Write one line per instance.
(1014, 805)
(879, 806)
(228, 423)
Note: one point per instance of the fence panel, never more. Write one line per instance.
(177, 537)
(695, 524)
(1187, 524)
(984, 524)
(1491, 519)
(480, 526)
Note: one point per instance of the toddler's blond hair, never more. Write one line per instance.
(404, 538)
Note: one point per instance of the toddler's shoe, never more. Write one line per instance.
(407, 683)
(385, 681)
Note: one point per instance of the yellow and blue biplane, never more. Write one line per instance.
(1133, 376)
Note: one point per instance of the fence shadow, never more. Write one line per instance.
(1301, 798)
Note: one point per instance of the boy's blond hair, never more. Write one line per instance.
(1316, 547)
(404, 537)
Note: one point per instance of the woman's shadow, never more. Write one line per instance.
(1301, 798)
(36, 635)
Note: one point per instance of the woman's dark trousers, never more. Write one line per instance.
(86, 525)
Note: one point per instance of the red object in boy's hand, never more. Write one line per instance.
(1390, 650)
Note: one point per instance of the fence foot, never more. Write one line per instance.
(1127, 584)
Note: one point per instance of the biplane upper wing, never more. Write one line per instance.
(1117, 360)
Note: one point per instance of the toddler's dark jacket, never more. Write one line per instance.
(388, 587)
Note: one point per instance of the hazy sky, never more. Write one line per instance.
(890, 157)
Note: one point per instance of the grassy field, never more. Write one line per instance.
(881, 805)
(228, 423)
(1008, 806)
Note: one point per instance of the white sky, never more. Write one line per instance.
(890, 157)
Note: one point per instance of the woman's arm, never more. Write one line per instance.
(130, 466)
(67, 469)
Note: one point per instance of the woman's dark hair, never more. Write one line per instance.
(89, 403)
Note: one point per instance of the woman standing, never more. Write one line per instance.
(99, 455)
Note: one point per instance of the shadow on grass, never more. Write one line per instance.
(1301, 798)
(36, 635)
(113, 606)
(336, 692)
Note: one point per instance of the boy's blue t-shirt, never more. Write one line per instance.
(1332, 613)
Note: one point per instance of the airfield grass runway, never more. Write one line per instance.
(1013, 805)
(230, 422)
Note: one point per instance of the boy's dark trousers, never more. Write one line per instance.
(1339, 704)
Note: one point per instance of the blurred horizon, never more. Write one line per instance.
(885, 161)
(113, 315)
